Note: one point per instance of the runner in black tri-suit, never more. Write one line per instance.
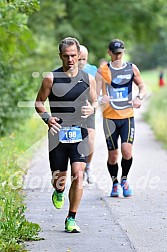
(72, 98)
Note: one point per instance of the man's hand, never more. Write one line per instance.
(104, 99)
(136, 103)
(54, 125)
(87, 110)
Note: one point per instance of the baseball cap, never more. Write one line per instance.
(116, 46)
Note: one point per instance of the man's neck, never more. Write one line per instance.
(117, 64)
(71, 72)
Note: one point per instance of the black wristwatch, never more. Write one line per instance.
(45, 117)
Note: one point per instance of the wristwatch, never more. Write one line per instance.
(139, 96)
(45, 117)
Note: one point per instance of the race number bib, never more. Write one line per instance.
(70, 134)
(119, 94)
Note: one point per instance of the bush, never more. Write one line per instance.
(14, 228)
(16, 44)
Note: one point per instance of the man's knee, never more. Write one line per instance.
(127, 150)
(113, 156)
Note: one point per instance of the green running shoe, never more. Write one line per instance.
(71, 226)
(58, 199)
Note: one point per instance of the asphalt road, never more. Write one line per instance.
(108, 224)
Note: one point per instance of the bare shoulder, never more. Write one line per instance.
(137, 76)
(91, 78)
(92, 82)
(135, 69)
(48, 81)
(48, 78)
(98, 74)
(99, 70)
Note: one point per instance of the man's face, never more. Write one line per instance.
(116, 56)
(83, 57)
(69, 57)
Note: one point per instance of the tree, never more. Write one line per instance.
(98, 22)
(16, 42)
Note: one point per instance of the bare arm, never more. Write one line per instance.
(139, 81)
(101, 86)
(92, 92)
(91, 106)
(42, 95)
(99, 81)
(141, 86)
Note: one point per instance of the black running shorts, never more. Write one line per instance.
(115, 128)
(61, 153)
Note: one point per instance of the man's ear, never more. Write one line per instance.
(60, 56)
(109, 52)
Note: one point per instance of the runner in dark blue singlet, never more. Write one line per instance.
(115, 79)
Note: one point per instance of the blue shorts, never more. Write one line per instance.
(115, 128)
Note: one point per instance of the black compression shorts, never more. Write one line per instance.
(60, 153)
(113, 128)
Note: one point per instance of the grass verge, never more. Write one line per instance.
(156, 115)
(14, 228)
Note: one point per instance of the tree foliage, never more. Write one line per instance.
(98, 22)
(16, 42)
(44, 25)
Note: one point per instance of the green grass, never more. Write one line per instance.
(14, 228)
(156, 114)
(151, 78)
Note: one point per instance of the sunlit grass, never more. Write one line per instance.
(156, 114)
(151, 78)
(14, 228)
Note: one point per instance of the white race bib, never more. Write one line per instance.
(119, 94)
(70, 134)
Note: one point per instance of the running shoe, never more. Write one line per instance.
(58, 199)
(85, 178)
(115, 190)
(127, 190)
(71, 226)
(90, 176)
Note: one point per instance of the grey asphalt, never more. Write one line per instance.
(108, 224)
